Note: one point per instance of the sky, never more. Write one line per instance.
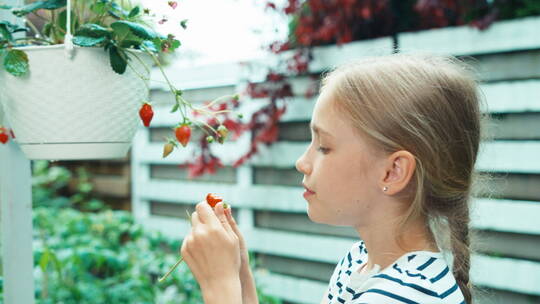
(219, 30)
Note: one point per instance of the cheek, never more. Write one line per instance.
(353, 177)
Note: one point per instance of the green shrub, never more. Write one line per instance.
(103, 256)
(106, 257)
(50, 188)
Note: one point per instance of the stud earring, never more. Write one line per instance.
(385, 189)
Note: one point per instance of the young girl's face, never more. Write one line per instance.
(340, 168)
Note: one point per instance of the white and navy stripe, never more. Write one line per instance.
(416, 277)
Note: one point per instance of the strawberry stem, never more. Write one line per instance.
(171, 270)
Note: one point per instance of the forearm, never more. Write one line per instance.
(249, 289)
(226, 291)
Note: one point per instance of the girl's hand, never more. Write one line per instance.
(212, 252)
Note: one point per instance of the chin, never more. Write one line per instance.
(315, 219)
(311, 217)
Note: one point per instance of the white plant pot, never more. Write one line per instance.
(78, 108)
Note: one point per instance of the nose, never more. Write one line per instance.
(302, 164)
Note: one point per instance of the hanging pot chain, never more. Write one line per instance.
(68, 38)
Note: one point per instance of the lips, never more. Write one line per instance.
(307, 189)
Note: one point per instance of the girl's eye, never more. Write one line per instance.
(323, 150)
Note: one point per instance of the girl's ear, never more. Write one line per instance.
(398, 170)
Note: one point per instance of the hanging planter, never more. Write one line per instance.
(73, 108)
(80, 96)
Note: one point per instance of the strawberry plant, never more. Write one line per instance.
(126, 33)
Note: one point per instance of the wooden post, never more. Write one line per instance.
(16, 214)
(16, 223)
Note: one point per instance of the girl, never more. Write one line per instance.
(394, 143)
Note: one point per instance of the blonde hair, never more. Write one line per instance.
(428, 105)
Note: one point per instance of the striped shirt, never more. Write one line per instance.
(416, 277)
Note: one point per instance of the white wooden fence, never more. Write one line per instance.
(266, 193)
(16, 213)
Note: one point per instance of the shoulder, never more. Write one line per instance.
(356, 255)
(420, 277)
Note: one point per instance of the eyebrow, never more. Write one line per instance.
(318, 130)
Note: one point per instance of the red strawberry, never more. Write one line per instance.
(213, 199)
(4, 138)
(146, 113)
(183, 133)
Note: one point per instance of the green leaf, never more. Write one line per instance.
(175, 44)
(150, 45)
(92, 30)
(117, 11)
(44, 260)
(62, 20)
(47, 28)
(3, 6)
(157, 43)
(57, 264)
(118, 63)
(90, 35)
(27, 9)
(130, 43)
(48, 5)
(16, 62)
(175, 107)
(114, 14)
(137, 29)
(88, 41)
(7, 29)
(54, 4)
(183, 23)
(98, 8)
(134, 12)
(4, 32)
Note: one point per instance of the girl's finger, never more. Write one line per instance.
(195, 220)
(220, 213)
(232, 222)
(184, 251)
(207, 215)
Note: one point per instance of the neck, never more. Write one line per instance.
(384, 248)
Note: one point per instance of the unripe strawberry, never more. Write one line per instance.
(167, 149)
(210, 139)
(223, 132)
